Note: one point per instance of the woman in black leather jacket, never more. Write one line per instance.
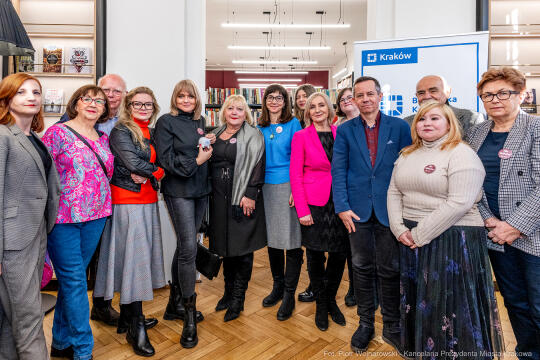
(131, 255)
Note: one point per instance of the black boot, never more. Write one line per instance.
(175, 309)
(229, 273)
(103, 311)
(321, 310)
(138, 338)
(350, 300)
(292, 274)
(307, 295)
(277, 264)
(124, 320)
(334, 273)
(243, 268)
(189, 337)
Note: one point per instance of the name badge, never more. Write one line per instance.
(200, 131)
(505, 154)
(233, 141)
(429, 168)
(279, 129)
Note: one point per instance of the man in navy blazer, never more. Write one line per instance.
(365, 150)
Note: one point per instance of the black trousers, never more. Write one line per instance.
(375, 254)
(325, 290)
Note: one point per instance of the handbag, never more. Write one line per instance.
(206, 262)
(79, 136)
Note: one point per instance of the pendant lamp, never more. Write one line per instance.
(13, 37)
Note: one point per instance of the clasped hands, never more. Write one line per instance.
(501, 232)
(407, 239)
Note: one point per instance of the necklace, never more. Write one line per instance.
(231, 132)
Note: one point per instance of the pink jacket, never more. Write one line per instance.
(311, 179)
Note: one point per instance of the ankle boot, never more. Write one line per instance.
(189, 337)
(307, 295)
(175, 308)
(138, 338)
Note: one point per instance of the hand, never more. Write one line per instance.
(407, 239)
(212, 137)
(247, 205)
(347, 218)
(138, 179)
(204, 155)
(291, 201)
(504, 233)
(306, 220)
(491, 222)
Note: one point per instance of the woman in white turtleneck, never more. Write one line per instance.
(447, 298)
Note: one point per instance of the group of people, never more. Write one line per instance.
(421, 209)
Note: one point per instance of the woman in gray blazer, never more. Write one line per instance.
(509, 146)
(29, 192)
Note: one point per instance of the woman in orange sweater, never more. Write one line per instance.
(131, 257)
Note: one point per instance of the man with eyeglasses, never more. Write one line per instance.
(364, 153)
(115, 88)
(435, 87)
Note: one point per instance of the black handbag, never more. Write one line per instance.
(207, 262)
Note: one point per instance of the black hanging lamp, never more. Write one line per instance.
(13, 37)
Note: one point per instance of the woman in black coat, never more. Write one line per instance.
(238, 226)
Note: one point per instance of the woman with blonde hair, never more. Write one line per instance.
(131, 254)
(238, 226)
(185, 188)
(448, 304)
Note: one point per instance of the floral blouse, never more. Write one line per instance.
(86, 194)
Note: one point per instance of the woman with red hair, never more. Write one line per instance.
(29, 191)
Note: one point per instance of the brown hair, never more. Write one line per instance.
(239, 99)
(71, 108)
(309, 90)
(508, 74)
(126, 118)
(340, 112)
(8, 89)
(286, 114)
(189, 87)
(307, 117)
(454, 131)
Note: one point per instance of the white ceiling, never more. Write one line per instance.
(288, 11)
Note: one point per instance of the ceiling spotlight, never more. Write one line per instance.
(265, 85)
(263, 80)
(310, 62)
(272, 72)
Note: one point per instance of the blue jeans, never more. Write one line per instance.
(71, 247)
(518, 278)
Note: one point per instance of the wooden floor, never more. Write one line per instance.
(256, 334)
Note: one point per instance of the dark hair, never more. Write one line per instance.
(309, 90)
(339, 112)
(286, 114)
(508, 74)
(71, 108)
(8, 89)
(368, 78)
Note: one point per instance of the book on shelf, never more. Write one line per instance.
(52, 58)
(529, 103)
(78, 60)
(217, 96)
(53, 100)
(25, 63)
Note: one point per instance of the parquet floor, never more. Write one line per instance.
(256, 334)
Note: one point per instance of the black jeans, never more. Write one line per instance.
(186, 215)
(375, 254)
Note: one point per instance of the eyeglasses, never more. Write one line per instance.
(501, 95)
(114, 92)
(277, 99)
(343, 100)
(139, 105)
(88, 100)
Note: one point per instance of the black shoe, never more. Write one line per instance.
(350, 300)
(393, 337)
(189, 337)
(107, 315)
(361, 338)
(321, 315)
(287, 306)
(275, 295)
(64, 353)
(336, 314)
(234, 310)
(123, 326)
(138, 338)
(307, 295)
(175, 309)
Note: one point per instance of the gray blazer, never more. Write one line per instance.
(519, 182)
(466, 118)
(26, 192)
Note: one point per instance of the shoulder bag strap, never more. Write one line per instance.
(90, 147)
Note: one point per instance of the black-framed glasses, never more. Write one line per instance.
(88, 100)
(277, 99)
(501, 95)
(343, 100)
(139, 105)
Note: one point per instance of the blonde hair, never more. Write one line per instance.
(235, 99)
(126, 118)
(189, 87)
(331, 112)
(454, 132)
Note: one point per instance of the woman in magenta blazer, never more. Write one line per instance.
(311, 184)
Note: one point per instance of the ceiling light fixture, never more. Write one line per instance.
(265, 85)
(285, 80)
(285, 26)
(272, 72)
(312, 62)
(339, 73)
(255, 47)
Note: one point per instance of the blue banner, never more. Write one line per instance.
(390, 56)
